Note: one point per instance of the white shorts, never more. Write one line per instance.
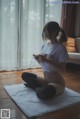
(59, 88)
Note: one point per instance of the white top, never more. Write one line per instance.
(55, 51)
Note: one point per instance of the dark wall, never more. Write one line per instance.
(77, 25)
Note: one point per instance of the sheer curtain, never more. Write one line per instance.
(21, 23)
(8, 34)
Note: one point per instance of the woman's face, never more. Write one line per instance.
(46, 34)
(49, 35)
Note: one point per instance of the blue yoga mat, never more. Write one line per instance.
(26, 99)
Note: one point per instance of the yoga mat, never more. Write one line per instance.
(26, 99)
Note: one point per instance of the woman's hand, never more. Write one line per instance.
(36, 57)
(40, 58)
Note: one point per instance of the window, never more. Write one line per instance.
(21, 23)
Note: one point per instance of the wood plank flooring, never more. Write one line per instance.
(72, 79)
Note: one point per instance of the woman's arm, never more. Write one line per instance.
(59, 65)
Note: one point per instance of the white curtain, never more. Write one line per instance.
(21, 23)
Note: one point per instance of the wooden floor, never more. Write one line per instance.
(72, 79)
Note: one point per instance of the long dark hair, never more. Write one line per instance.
(51, 27)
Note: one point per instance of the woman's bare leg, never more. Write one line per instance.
(42, 81)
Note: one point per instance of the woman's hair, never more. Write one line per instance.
(63, 36)
(51, 27)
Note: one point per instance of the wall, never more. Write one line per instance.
(77, 25)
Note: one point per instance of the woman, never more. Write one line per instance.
(52, 60)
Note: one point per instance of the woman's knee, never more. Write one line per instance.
(26, 75)
(46, 92)
(59, 88)
(23, 74)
